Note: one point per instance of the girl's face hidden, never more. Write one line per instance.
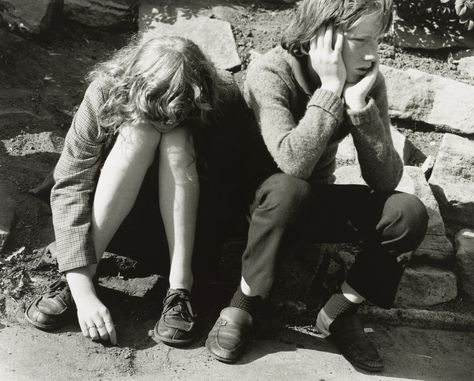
(360, 47)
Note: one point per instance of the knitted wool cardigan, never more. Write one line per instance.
(302, 130)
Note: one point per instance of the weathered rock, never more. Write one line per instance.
(26, 144)
(466, 66)
(424, 286)
(7, 213)
(432, 99)
(347, 154)
(137, 287)
(463, 53)
(465, 261)
(419, 24)
(452, 180)
(30, 16)
(435, 245)
(213, 36)
(106, 14)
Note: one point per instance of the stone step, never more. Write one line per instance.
(191, 19)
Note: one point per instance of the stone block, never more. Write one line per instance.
(465, 261)
(432, 99)
(466, 66)
(435, 245)
(452, 180)
(136, 287)
(422, 25)
(189, 20)
(7, 213)
(347, 154)
(27, 144)
(424, 286)
(106, 14)
(30, 16)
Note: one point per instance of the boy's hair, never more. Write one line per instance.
(313, 14)
(162, 79)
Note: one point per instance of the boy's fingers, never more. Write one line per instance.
(339, 41)
(328, 38)
(320, 37)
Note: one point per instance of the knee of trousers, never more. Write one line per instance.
(407, 222)
(283, 198)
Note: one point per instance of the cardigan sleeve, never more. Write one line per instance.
(296, 146)
(381, 165)
(75, 179)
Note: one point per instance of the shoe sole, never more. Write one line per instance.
(221, 359)
(42, 326)
(364, 367)
(172, 342)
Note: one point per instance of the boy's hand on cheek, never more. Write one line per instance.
(327, 61)
(355, 94)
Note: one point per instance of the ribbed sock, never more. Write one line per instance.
(336, 305)
(251, 304)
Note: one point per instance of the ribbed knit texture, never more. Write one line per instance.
(251, 304)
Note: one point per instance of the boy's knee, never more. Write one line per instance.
(411, 220)
(283, 194)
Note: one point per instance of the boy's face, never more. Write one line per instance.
(359, 50)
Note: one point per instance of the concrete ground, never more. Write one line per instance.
(292, 353)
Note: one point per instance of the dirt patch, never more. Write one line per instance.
(42, 83)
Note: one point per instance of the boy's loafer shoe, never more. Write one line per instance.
(230, 333)
(176, 325)
(348, 334)
(53, 309)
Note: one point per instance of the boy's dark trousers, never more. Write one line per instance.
(286, 209)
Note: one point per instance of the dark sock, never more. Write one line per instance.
(251, 304)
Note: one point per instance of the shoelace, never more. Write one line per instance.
(59, 288)
(178, 303)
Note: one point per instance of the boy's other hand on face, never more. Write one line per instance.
(355, 94)
(327, 61)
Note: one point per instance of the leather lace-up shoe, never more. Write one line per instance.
(230, 334)
(53, 309)
(348, 334)
(176, 325)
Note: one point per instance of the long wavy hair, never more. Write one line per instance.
(342, 14)
(164, 80)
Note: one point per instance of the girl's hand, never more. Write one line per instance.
(355, 94)
(326, 61)
(95, 319)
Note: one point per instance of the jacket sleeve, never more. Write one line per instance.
(381, 165)
(75, 177)
(295, 146)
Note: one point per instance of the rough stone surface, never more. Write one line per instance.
(213, 36)
(26, 144)
(30, 16)
(452, 180)
(99, 13)
(7, 213)
(465, 261)
(347, 154)
(463, 53)
(424, 286)
(435, 245)
(429, 98)
(419, 28)
(137, 287)
(466, 66)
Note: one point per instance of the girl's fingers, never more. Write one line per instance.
(339, 41)
(111, 332)
(84, 329)
(328, 38)
(93, 333)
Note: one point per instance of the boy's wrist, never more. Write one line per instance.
(356, 104)
(335, 87)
